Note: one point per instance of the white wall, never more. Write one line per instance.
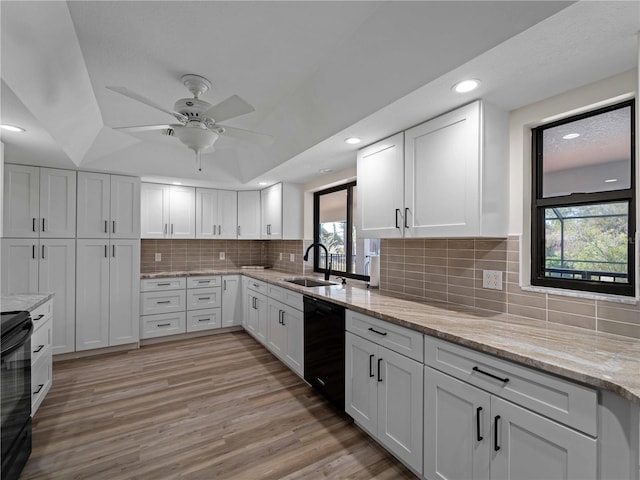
(608, 91)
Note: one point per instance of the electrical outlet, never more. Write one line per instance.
(158, 257)
(492, 279)
(292, 257)
(280, 256)
(221, 255)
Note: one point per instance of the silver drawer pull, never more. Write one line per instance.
(204, 319)
(204, 298)
(163, 325)
(163, 284)
(40, 347)
(163, 301)
(204, 281)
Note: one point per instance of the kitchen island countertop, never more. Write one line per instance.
(606, 361)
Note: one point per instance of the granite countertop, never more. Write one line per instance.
(602, 360)
(25, 301)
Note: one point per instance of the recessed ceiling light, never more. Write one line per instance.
(326, 170)
(570, 136)
(352, 140)
(466, 86)
(177, 183)
(263, 183)
(11, 128)
(611, 180)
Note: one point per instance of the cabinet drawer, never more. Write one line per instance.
(562, 400)
(164, 324)
(41, 341)
(399, 339)
(202, 282)
(41, 379)
(286, 296)
(169, 283)
(204, 319)
(257, 286)
(152, 303)
(42, 314)
(200, 298)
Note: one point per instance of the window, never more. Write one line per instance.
(583, 206)
(335, 228)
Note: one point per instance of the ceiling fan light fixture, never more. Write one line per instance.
(196, 136)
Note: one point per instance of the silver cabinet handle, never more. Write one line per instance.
(203, 281)
(159, 302)
(163, 325)
(106, 251)
(113, 230)
(172, 229)
(204, 298)
(406, 217)
(43, 257)
(225, 284)
(33, 252)
(219, 229)
(204, 319)
(44, 224)
(113, 251)
(238, 230)
(165, 228)
(106, 226)
(163, 284)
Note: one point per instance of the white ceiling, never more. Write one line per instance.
(315, 71)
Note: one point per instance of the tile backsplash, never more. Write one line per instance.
(180, 255)
(450, 270)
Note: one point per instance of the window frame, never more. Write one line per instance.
(349, 229)
(539, 203)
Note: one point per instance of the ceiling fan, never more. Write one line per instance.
(198, 126)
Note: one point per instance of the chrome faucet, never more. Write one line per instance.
(327, 271)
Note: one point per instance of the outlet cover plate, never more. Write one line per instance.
(292, 257)
(158, 257)
(492, 279)
(221, 255)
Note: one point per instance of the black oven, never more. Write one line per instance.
(15, 392)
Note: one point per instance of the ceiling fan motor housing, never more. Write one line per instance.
(193, 108)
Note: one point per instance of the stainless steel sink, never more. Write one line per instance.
(309, 282)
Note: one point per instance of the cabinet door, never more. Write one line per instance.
(206, 213)
(246, 305)
(248, 215)
(19, 265)
(271, 204)
(57, 203)
(125, 207)
(527, 446)
(93, 205)
(457, 429)
(58, 275)
(182, 212)
(124, 292)
(257, 316)
(380, 207)
(400, 410)
(154, 210)
(361, 397)
(441, 175)
(275, 328)
(231, 300)
(92, 294)
(294, 341)
(227, 214)
(21, 209)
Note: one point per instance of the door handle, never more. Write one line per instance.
(238, 230)
(172, 229)
(219, 229)
(384, 334)
(224, 283)
(165, 228)
(34, 224)
(106, 226)
(113, 250)
(40, 347)
(43, 224)
(40, 385)
(371, 374)
(379, 370)
(163, 324)
(33, 252)
(114, 227)
(406, 217)
(43, 257)
(496, 424)
(397, 212)
(504, 380)
(478, 434)
(106, 251)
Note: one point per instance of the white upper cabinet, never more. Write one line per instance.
(108, 206)
(456, 174)
(281, 206)
(168, 211)
(380, 201)
(249, 215)
(216, 213)
(454, 183)
(39, 202)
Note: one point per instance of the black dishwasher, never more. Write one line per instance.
(324, 349)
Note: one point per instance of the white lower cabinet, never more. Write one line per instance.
(159, 325)
(204, 303)
(231, 300)
(207, 319)
(285, 334)
(384, 396)
(41, 354)
(256, 315)
(107, 298)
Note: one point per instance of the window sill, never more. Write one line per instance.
(581, 294)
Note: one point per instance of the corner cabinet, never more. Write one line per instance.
(454, 182)
(167, 211)
(281, 212)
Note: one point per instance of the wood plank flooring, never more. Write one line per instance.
(217, 407)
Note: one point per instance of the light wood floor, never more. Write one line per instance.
(216, 407)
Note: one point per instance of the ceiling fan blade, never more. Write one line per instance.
(234, 106)
(136, 96)
(144, 128)
(254, 137)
